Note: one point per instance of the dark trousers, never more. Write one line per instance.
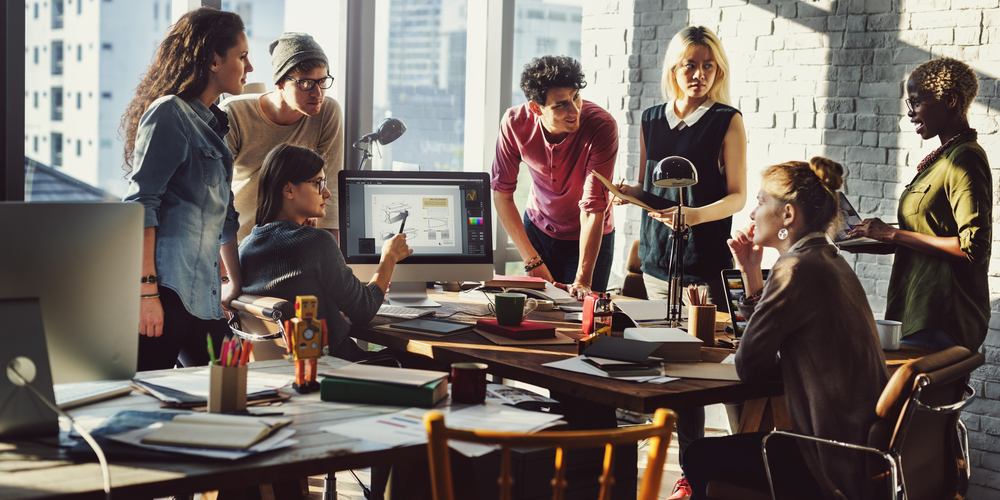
(184, 337)
(738, 459)
(562, 257)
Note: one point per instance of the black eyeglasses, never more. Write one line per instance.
(913, 104)
(307, 85)
(319, 183)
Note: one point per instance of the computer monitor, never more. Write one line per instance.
(448, 223)
(82, 262)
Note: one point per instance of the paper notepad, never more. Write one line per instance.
(206, 430)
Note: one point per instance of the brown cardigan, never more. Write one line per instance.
(813, 322)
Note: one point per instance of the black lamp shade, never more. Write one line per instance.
(675, 172)
(389, 130)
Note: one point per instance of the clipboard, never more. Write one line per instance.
(646, 200)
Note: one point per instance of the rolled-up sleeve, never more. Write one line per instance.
(161, 145)
(603, 153)
(507, 162)
(232, 223)
(969, 189)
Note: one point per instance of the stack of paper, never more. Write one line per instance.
(674, 344)
(190, 389)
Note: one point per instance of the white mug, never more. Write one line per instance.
(889, 333)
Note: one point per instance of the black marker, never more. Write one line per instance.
(406, 213)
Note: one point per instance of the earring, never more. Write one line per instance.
(782, 233)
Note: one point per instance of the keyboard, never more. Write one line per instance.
(80, 393)
(400, 312)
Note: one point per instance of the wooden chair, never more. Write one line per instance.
(918, 447)
(658, 433)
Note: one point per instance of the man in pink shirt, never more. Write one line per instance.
(568, 232)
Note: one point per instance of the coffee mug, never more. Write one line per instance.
(511, 308)
(889, 333)
(468, 383)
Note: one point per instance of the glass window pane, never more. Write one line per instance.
(420, 50)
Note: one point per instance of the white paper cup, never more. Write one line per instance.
(889, 333)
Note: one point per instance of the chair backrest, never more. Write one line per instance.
(919, 410)
(259, 319)
(658, 434)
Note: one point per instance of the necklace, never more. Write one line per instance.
(933, 157)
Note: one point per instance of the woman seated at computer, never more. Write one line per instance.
(285, 255)
(179, 170)
(811, 323)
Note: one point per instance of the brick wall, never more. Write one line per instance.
(818, 77)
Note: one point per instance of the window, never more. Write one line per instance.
(79, 99)
(105, 46)
(79, 7)
(57, 57)
(36, 10)
(35, 144)
(57, 149)
(79, 52)
(36, 55)
(36, 100)
(545, 46)
(57, 14)
(57, 104)
(543, 32)
(106, 95)
(79, 147)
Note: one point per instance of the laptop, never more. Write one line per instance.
(850, 218)
(732, 280)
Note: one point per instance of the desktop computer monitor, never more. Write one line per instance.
(446, 216)
(82, 263)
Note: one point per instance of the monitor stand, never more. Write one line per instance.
(410, 294)
(22, 414)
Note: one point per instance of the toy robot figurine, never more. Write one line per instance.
(305, 336)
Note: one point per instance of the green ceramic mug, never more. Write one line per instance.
(511, 308)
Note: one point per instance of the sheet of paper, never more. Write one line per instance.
(643, 310)
(393, 429)
(576, 364)
(617, 193)
(374, 373)
(196, 383)
(280, 439)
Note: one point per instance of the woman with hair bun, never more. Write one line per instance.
(939, 285)
(810, 324)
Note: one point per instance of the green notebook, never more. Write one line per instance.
(383, 393)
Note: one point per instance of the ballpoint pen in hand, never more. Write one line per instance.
(406, 213)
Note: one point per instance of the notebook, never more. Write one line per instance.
(732, 280)
(850, 218)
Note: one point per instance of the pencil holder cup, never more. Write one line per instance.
(227, 388)
(701, 324)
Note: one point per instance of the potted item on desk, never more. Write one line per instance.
(597, 313)
(305, 336)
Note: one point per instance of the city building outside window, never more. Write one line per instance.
(57, 104)
(57, 149)
(57, 57)
(57, 14)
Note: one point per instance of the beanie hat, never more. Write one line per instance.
(290, 49)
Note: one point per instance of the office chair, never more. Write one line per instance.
(633, 286)
(658, 433)
(261, 320)
(922, 402)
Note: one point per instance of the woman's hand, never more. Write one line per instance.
(747, 255)
(230, 291)
(691, 215)
(396, 249)
(874, 229)
(151, 317)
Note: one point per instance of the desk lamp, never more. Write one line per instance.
(388, 130)
(676, 172)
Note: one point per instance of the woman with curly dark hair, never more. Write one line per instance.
(939, 286)
(180, 170)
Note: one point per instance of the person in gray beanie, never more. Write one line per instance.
(296, 111)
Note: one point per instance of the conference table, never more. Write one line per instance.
(41, 468)
(591, 397)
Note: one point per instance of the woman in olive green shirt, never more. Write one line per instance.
(938, 287)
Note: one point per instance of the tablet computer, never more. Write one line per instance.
(849, 219)
(732, 280)
(432, 326)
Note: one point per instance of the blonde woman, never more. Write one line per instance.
(697, 122)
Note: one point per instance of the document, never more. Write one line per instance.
(578, 365)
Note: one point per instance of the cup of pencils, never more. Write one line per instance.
(227, 389)
(701, 315)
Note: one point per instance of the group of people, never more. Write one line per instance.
(257, 167)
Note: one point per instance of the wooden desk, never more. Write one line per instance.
(36, 469)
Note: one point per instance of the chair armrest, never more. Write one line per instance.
(890, 460)
(952, 408)
(266, 308)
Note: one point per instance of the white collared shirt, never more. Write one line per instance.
(679, 123)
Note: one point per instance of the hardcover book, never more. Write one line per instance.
(527, 330)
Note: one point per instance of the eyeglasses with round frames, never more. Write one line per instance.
(913, 104)
(319, 183)
(306, 84)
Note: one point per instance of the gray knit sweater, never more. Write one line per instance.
(284, 259)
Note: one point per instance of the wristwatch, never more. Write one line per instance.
(152, 278)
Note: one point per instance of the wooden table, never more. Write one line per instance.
(37, 469)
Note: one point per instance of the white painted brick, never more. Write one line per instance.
(925, 5)
(939, 36)
(704, 16)
(967, 36)
(784, 152)
(784, 119)
(771, 42)
(804, 136)
(924, 20)
(776, 104)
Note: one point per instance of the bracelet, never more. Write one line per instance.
(150, 296)
(532, 266)
(749, 300)
(225, 279)
(528, 263)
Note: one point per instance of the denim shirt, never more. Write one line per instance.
(182, 176)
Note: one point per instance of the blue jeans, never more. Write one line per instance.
(930, 338)
(562, 257)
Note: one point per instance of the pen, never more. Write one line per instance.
(211, 349)
(406, 213)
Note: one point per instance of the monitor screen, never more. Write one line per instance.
(82, 262)
(446, 216)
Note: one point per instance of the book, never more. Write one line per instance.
(209, 430)
(613, 368)
(501, 281)
(384, 385)
(432, 326)
(646, 200)
(675, 344)
(527, 330)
